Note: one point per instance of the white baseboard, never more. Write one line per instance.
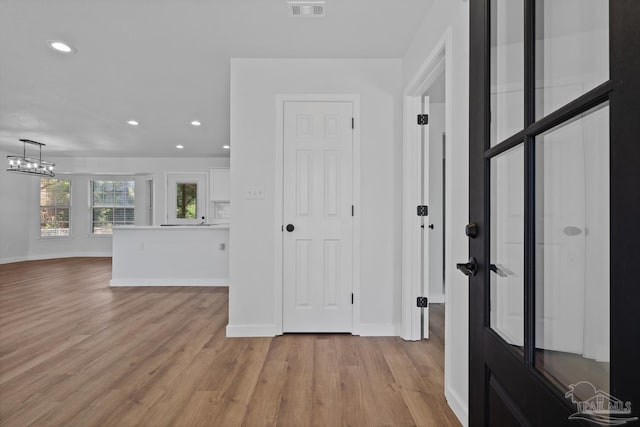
(436, 299)
(170, 282)
(458, 406)
(14, 259)
(56, 255)
(377, 330)
(366, 330)
(246, 331)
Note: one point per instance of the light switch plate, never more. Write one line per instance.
(255, 193)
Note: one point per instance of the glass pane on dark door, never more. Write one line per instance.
(572, 50)
(572, 251)
(507, 69)
(507, 246)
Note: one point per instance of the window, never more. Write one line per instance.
(186, 200)
(55, 203)
(112, 203)
(149, 201)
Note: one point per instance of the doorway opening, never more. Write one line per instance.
(434, 182)
(427, 182)
(427, 259)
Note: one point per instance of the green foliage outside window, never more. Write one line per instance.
(55, 204)
(186, 203)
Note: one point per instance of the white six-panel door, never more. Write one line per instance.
(318, 195)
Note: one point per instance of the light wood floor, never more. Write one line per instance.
(74, 352)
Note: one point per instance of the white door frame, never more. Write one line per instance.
(439, 58)
(279, 200)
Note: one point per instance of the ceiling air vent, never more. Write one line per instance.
(307, 9)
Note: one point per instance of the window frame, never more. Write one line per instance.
(91, 225)
(69, 207)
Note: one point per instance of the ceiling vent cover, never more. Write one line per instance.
(307, 9)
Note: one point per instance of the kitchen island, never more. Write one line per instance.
(170, 255)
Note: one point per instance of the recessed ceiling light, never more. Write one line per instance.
(61, 46)
(226, 147)
(196, 123)
(133, 122)
(179, 147)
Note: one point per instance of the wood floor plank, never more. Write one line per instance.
(267, 394)
(75, 352)
(299, 389)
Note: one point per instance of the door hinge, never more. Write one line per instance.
(422, 302)
(423, 119)
(353, 210)
(423, 210)
(351, 298)
(353, 123)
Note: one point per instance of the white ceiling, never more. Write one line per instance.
(163, 63)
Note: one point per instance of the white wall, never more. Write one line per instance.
(14, 210)
(254, 86)
(442, 15)
(19, 220)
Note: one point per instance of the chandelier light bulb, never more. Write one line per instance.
(25, 164)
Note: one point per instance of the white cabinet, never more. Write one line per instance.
(219, 184)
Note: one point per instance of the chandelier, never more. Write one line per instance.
(29, 165)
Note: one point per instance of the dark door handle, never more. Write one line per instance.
(468, 268)
(497, 270)
(290, 228)
(431, 226)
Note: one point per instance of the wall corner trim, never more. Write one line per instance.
(457, 405)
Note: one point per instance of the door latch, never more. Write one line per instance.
(468, 268)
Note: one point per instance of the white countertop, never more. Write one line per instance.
(172, 227)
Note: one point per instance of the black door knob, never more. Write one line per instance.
(468, 268)
(471, 230)
(290, 228)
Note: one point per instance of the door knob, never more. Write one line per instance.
(471, 230)
(468, 268)
(290, 228)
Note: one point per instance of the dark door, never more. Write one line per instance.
(554, 158)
